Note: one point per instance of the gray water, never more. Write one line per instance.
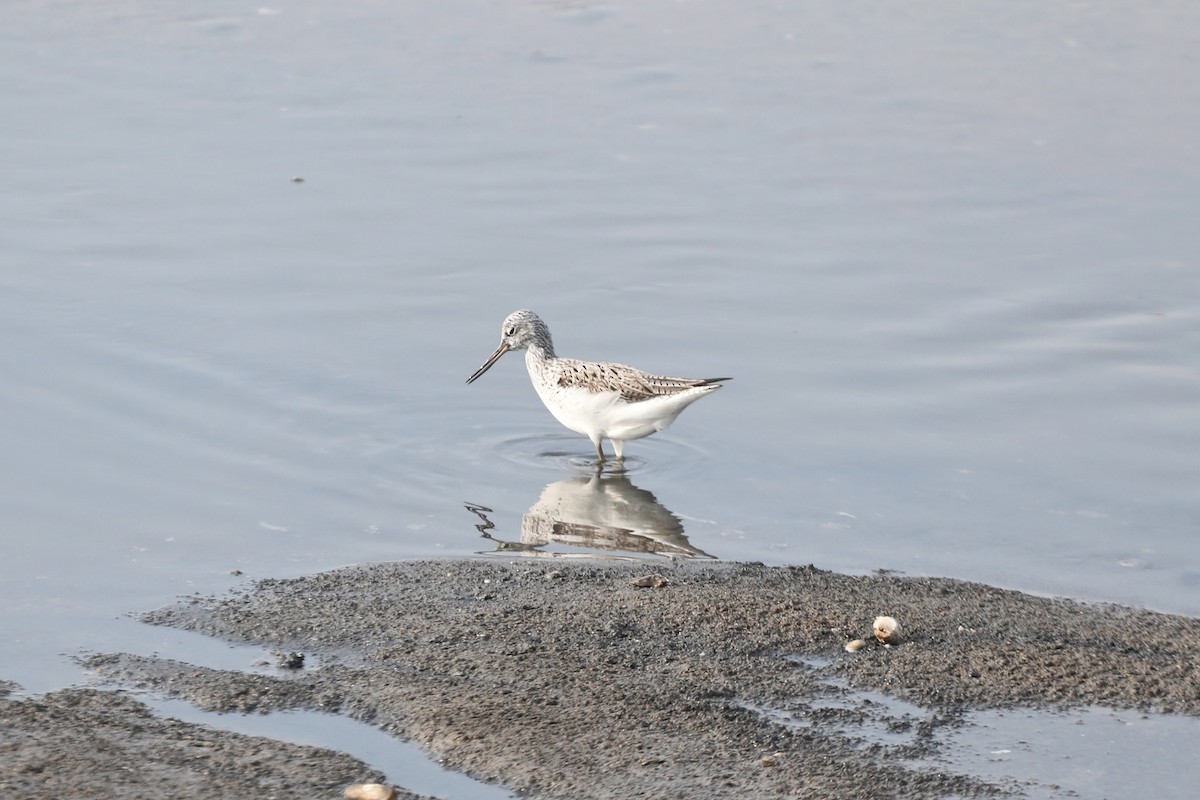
(401, 760)
(948, 251)
(1042, 754)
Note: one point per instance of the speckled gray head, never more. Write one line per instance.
(520, 330)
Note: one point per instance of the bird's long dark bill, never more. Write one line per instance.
(492, 359)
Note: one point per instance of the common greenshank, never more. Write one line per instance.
(596, 398)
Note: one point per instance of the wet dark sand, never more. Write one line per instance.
(85, 743)
(565, 680)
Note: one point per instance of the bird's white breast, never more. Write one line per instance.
(595, 411)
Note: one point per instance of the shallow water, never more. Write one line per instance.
(401, 761)
(947, 251)
(1087, 752)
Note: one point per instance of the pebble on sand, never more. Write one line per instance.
(886, 629)
(369, 791)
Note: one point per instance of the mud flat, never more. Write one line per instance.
(103, 744)
(566, 679)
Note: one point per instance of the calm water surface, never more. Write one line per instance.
(948, 251)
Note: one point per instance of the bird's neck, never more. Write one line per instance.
(541, 348)
(537, 354)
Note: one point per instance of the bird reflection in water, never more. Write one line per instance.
(605, 512)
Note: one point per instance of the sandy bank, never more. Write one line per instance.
(568, 680)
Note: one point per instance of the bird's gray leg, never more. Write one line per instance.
(599, 450)
(619, 449)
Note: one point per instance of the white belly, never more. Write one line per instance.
(607, 416)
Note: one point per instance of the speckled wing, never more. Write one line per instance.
(633, 384)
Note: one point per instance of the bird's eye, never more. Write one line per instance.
(511, 331)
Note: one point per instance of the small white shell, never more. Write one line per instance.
(886, 630)
(369, 791)
(856, 645)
